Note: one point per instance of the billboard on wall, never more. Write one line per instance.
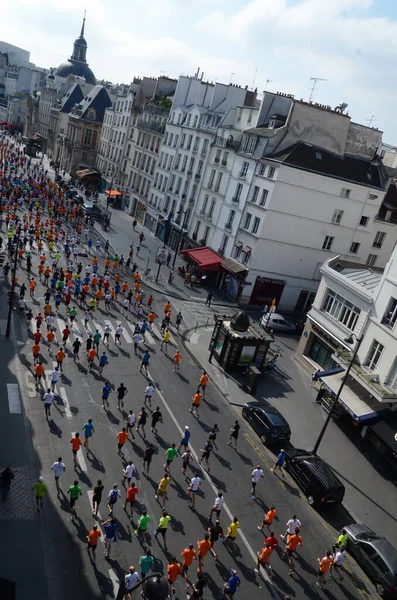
(161, 257)
(247, 355)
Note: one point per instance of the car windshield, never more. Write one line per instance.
(281, 429)
(276, 419)
(367, 536)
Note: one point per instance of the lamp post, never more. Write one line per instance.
(218, 324)
(179, 244)
(348, 340)
(14, 272)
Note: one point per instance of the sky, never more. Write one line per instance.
(277, 45)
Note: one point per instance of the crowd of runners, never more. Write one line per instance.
(66, 285)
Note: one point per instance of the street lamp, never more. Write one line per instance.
(348, 340)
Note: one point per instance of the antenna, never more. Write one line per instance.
(314, 80)
(231, 77)
(369, 121)
(267, 81)
(255, 74)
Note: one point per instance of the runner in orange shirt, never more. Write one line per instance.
(173, 570)
(189, 555)
(36, 353)
(60, 355)
(122, 437)
(177, 360)
(38, 373)
(196, 404)
(263, 558)
(204, 546)
(268, 519)
(294, 541)
(203, 382)
(325, 564)
(76, 445)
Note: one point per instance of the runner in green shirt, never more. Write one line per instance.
(163, 526)
(143, 523)
(41, 489)
(74, 493)
(146, 562)
(170, 454)
(97, 339)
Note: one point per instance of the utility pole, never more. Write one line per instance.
(314, 80)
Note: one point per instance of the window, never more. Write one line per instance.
(261, 170)
(247, 221)
(255, 194)
(337, 216)
(212, 207)
(246, 254)
(244, 170)
(328, 242)
(255, 226)
(364, 221)
(183, 139)
(205, 147)
(230, 220)
(371, 260)
(211, 179)
(345, 193)
(271, 172)
(374, 355)
(341, 310)
(206, 233)
(189, 142)
(264, 197)
(379, 239)
(196, 143)
(195, 120)
(354, 248)
(225, 240)
(251, 144)
(391, 380)
(390, 316)
(196, 230)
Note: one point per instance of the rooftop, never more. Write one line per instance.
(365, 278)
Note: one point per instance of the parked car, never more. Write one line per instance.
(92, 211)
(376, 556)
(268, 422)
(315, 477)
(278, 323)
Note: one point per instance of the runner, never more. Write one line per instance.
(170, 453)
(130, 422)
(74, 492)
(58, 468)
(263, 558)
(206, 453)
(231, 586)
(97, 497)
(185, 437)
(41, 489)
(194, 409)
(143, 523)
(137, 338)
(128, 471)
(147, 459)
(294, 541)
(255, 477)
(113, 496)
(217, 507)
(76, 349)
(106, 390)
(91, 354)
(279, 463)
(234, 434)
(177, 361)
(203, 383)
(117, 334)
(325, 564)
(292, 524)
(232, 532)
(142, 417)
(88, 429)
(107, 330)
(162, 486)
(216, 532)
(110, 527)
(149, 394)
(192, 490)
(122, 437)
(337, 563)
(103, 361)
(156, 418)
(173, 570)
(38, 374)
(204, 546)
(146, 563)
(92, 542)
(268, 519)
(145, 362)
(212, 436)
(60, 356)
(121, 392)
(130, 497)
(162, 527)
(166, 340)
(130, 581)
(189, 555)
(76, 444)
(197, 588)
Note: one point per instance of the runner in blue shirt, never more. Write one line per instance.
(107, 388)
(103, 361)
(88, 431)
(185, 437)
(231, 586)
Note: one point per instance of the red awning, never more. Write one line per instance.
(204, 257)
(113, 193)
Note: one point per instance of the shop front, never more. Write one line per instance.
(150, 221)
(233, 279)
(140, 212)
(318, 345)
(205, 264)
(265, 289)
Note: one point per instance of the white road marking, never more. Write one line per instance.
(63, 395)
(149, 338)
(194, 338)
(115, 580)
(80, 457)
(14, 399)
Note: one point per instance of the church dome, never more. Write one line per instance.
(81, 42)
(75, 67)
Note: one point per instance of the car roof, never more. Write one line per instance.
(317, 465)
(386, 551)
(273, 414)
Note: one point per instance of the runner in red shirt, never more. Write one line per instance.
(130, 498)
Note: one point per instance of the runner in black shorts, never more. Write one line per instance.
(97, 497)
(147, 459)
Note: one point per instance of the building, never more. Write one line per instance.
(77, 64)
(15, 56)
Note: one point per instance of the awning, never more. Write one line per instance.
(231, 265)
(113, 193)
(387, 431)
(246, 249)
(238, 244)
(353, 400)
(86, 172)
(204, 257)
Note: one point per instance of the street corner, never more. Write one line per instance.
(18, 505)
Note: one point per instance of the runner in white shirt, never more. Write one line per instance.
(193, 486)
(48, 398)
(148, 394)
(137, 340)
(49, 321)
(107, 330)
(55, 374)
(219, 500)
(255, 477)
(131, 579)
(88, 270)
(98, 244)
(337, 564)
(130, 422)
(58, 468)
(118, 332)
(126, 306)
(128, 472)
(291, 525)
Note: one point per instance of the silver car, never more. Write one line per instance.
(278, 323)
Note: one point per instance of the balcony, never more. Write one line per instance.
(242, 175)
(189, 173)
(228, 226)
(209, 217)
(202, 212)
(224, 163)
(156, 127)
(197, 176)
(235, 200)
(209, 185)
(217, 188)
(195, 150)
(216, 160)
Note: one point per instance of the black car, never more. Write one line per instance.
(268, 422)
(376, 556)
(92, 211)
(315, 477)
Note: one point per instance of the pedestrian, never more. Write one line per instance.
(130, 581)
(315, 377)
(173, 570)
(170, 453)
(196, 400)
(197, 588)
(128, 471)
(177, 361)
(279, 462)
(121, 392)
(106, 390)
(178, 320)
(130, 422)
(206, 453)
(6, 476)
(38, 374)
(113, 496)
(203, 382)
(256, 474)
(185, 437)
(234, 434)
(209, 298)
(162, 486)
(230, 588)
(107, 330)
(41, 489)
(76, 349)
(272, 540)
(143, 523)
(103, 361)
(217, 507)
(88, 429)
(146, 563)
(189, 555)
(92, 541)
(65, 335)
(137, 338)
(122, 437)
(166, 340)
(149, 394)
(268, 519)
(156, 418)
(147, 459)
(292, 525)
(215, 532)
(142, 417)
(341, 542)
(212, 435)
(48, 399)
(60, 356)
(294, 541)
(76, 444)
(263, 558)
(204, 546)
(145, 362)
(325, 564)
(91, 354)
(130, 497)
(110, 527)
(117, 334)
(97, 497)
(192, 489)
(339, 557)
(74, 492)
(58, 468)
(187, 459)
(162, 527)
